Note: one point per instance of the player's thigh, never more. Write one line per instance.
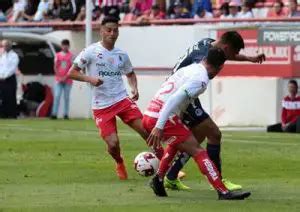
(138, 127)
(131, 115)
(191, 146)
(105, 122)
(209, 129)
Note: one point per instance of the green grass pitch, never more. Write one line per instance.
(63, 166)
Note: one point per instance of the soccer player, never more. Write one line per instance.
(162, 119)
(105, 65)
(195, 117)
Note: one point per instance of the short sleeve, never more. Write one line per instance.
(127, 65)
(194, 88)
(83, 59)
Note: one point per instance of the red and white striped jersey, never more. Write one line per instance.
(290, 109)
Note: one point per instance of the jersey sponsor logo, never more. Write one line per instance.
(100, 64)
(210, 169)
(109, 74)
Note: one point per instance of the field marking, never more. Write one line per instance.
(122, 133)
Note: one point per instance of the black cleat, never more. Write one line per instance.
(234, 195)
(157, 186)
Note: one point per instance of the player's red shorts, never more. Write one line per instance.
(175, 132)
(105, 118)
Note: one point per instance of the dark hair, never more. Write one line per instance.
(234, 39)
(293, 82)
(65, 42)
(216, 57)
(109, 19)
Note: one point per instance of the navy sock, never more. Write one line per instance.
(213, 152)
(177, 165)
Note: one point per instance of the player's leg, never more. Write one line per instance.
(132, 116)
(57, 94)
(67, 90)
(207, 168)
(194, 116)
(106, 123)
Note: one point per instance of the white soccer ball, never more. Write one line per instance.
(146, 164)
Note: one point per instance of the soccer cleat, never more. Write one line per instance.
(181, 175)
(157, 186)
(121, 171)
(175, 185)
(231, 186)
(234, 195)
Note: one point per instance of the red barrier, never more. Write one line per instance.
(80, 25)
(282, 61)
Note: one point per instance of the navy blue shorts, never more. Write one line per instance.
(194, 114)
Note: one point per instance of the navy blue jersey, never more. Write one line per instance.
(195, 53)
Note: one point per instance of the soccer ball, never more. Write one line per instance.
(146, 164)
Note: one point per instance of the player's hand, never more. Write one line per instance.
(258, 59)
(135, 95)
(95, 81)
(155, 137)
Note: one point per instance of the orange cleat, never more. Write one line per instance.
(121, 171)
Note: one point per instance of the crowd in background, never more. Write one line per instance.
(143, 10)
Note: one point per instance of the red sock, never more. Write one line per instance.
(166, 160)
(207, 168)
(159, 152)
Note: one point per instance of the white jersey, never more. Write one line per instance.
(192, 80)
(109, 66)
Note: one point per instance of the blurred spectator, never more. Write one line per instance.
(62, 64)
(96, 16)
(139, 7)
(66, 10)
(9, 62)
(5, 5)
(233, 10)
(15, 14)
(246, 10)
(149, 15)
(41, 13)
(111, 7)
(30, 9)
(199, 4)
(179, 11)
(224, 10)
(290, 115)
(202, 13)
(293, 9)
(2, 16)
(81, 14)
(277, 11)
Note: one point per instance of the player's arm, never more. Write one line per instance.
(168, 109)
(75, 74)
(189, 90)
(132, 81)
(256, 59)
(131, 77)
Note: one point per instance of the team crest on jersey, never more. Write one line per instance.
(83, 61)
